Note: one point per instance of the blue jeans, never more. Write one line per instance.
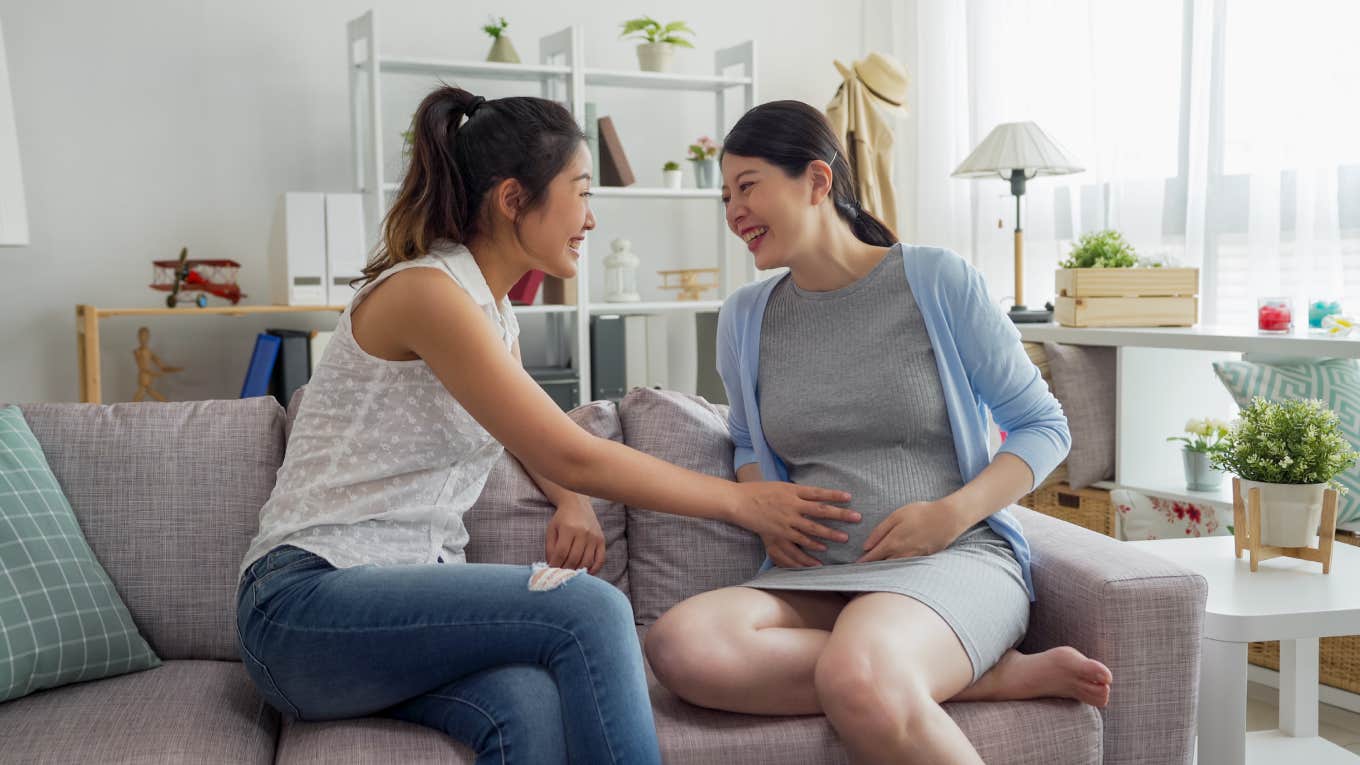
(519, 676)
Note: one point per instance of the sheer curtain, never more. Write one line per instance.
(1214, 134)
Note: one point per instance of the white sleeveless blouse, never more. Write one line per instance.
(382, 461)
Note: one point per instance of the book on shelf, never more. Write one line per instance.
(293, 367)
(261, 368)
(607, 372)
(526, 289)
(320, 339)
(282, 361)
(557, 291)
(708, 383)
(628, 352)
(614, 167)
(562, 384)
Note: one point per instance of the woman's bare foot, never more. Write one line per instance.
(1061, 672)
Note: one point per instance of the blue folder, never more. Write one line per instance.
(261, 365)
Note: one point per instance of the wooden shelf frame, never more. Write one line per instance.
(87, 333)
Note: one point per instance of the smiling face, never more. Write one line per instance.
(553, 232)
(766, 208)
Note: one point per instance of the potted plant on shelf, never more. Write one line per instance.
(1291, 451)
(671, 176)
(1204, 438)
(501, 48)
(658, 41)
(1103, 283)
(704, 154)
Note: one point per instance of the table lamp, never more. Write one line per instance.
(1018, 151)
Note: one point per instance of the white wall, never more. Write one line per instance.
(148, 125)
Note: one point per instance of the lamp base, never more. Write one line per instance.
(1022, 315)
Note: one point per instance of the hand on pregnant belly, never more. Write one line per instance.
(783, 514)
(914, 530)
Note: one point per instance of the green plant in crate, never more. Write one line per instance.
(1101, 249)
(669, 166)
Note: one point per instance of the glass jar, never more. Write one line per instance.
(1275, 315)
(1320, 308)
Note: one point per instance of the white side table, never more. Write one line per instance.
(1288, 600)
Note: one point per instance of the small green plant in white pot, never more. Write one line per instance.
(1202, 438)
(658, 41)
(502, 49)
(1292, 451)
(671, 177)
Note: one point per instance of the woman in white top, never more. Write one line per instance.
(355, 598)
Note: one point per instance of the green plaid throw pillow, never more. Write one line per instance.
(60, 619)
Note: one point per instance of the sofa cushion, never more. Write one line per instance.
(182, 711)
(169, 497)
(1142, 516)
(1083, 382)
(509, 522)
(673, 557)
(60, 619)
(368, 741)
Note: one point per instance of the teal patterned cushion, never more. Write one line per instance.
(1336, 382)
(60, 619)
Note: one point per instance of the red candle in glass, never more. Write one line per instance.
(1274, 315)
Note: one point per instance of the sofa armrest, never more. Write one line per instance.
(1139, 614)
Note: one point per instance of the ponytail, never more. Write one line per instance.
(462, 146)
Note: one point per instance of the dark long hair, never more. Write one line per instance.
(454, 163)
(790, 135)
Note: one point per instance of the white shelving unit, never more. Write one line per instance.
(1165, 377)
(564, 76)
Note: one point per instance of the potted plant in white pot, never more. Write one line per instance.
(671, 177)
(1291, 451)
(1203, 438)
(658, 41)
(704, 154)
(502, 49)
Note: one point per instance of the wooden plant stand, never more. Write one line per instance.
(1247, 530)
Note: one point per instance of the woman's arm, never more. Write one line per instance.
(1003, 377)
(428, 316)
(1007, 382)
(558, 495)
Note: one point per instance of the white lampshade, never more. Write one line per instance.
(1017, 145)
(13, 213)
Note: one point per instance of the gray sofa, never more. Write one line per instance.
(168, 495)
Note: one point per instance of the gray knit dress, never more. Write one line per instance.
(850, 399)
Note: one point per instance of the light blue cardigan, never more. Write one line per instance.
(981, 362)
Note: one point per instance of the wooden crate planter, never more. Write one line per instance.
(1338, 657)
(1089, 508)
(1127, 297)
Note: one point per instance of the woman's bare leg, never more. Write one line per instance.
(741, 649)
(889, 663)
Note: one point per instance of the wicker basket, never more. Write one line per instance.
(1089, 508)
(1338, 657)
